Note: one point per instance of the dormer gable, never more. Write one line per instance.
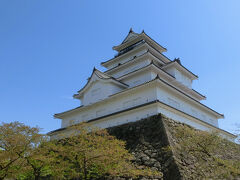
(99, 87)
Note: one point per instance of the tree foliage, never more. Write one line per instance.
(213, 156)
(24, 152)
(16, 142)
(96, 154)
(84, 154)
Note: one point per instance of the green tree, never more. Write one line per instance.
(214, 156)
(43, 162)
(84, 154)
(25, 153)
(95, 154)
(16, 141)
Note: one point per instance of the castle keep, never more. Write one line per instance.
(140, 81)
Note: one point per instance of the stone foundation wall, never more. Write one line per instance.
(153, 143)
(147, 140)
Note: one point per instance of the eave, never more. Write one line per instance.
(59, 115)
(146, 45)
(152, 65)
(147, 104)
(218, 115)
(135, 59)
(157, 79)
(105, 63)
(62, 114)
(168, 76)
(181, 68)
(141, 36)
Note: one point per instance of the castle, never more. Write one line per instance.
(140, 81)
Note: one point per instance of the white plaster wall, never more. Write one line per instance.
(130, 68)
(111, 105)
(163, 94)
(126, 117)
(128, 57)
(180, 77)
(115, 89)
(171, 71)
(182, 119)
(183, 79)
(138, 79)
(178, 102)
(190, 121)
(98, 91)
(138, 97)
(144, 112)
(118, 119)
(173, 84)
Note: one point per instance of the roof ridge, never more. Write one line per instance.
(130, 31)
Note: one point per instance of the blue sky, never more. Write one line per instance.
(49, 48)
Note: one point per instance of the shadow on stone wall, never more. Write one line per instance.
(147, 140)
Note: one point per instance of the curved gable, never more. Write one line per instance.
(98, 87)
